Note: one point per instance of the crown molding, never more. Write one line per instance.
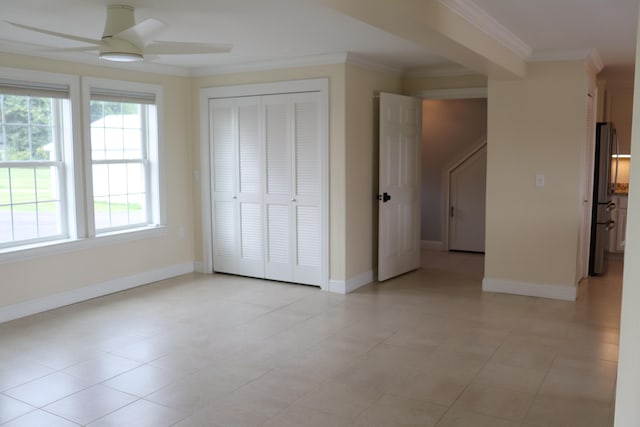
(302, 61)
(590, 55)
(480, 19)
(363, 62)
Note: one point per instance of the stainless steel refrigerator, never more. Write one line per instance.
(604, 184)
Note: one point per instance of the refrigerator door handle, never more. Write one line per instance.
(615, 177)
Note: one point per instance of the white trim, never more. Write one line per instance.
(350, 285)
(461, 93)
(486, 23)
(432, 245)
(294, 86)
(559, 292)
(362, 62)
(155, 155)
(39, 305)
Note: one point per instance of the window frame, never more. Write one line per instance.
(69, 165)
(76, 177)
(154, 156)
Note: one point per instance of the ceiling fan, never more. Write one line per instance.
(124, 40)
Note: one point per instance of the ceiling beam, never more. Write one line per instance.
(436, 27)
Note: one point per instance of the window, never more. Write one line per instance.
(123, 145)
(34, 136)
(47, 195)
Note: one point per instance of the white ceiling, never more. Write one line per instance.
(264, 31)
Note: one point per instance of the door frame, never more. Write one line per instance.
(446, 187)
(204, 174)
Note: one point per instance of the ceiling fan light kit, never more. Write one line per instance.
(124, 40)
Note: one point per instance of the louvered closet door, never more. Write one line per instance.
(223, 119)
(250, 188)
(278, 157)
(307, 189)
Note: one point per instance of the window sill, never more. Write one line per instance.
(57, 247)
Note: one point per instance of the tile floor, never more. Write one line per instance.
(426, 349)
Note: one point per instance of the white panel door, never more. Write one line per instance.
(223, 119)
(399, 186)
(277, 197)
(250, 187)
(467, 194)
(307, 189)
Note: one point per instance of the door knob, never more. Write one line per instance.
(385, 197)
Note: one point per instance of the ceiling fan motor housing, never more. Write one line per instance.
(119, 18)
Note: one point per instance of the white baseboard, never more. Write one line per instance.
(432, 245)
(559, 292)
(62, 299)
(350, 285)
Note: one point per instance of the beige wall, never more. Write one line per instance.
(532, 233)
(362, 166)
(627, 408)
(47, 275)
(415, 84)
(337, 152)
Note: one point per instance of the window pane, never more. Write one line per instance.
(17, 137)
(119, 212)
(135, 176)
(101, 212)
(47, 184)
(40, 111)
(5, 194)
(6, 224)
(30, 200)
(25, 225)
(100, 180)
(117, 134)
(49, 219)
(23, 185)
(137, 211)
(132, 143)
(16, 109)
(42, 143)
(118, 179)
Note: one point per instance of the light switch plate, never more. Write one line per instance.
(539, 180)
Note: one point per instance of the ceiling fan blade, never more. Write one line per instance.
(72, 49)
(141, 33)
(184, 48)
(61, 35)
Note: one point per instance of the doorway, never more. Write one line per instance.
(454, 128)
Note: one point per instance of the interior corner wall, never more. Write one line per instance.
(536, 126)
(627, 411)
(70, 273)
(337, 151)
(362, 157)
(450, 128)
